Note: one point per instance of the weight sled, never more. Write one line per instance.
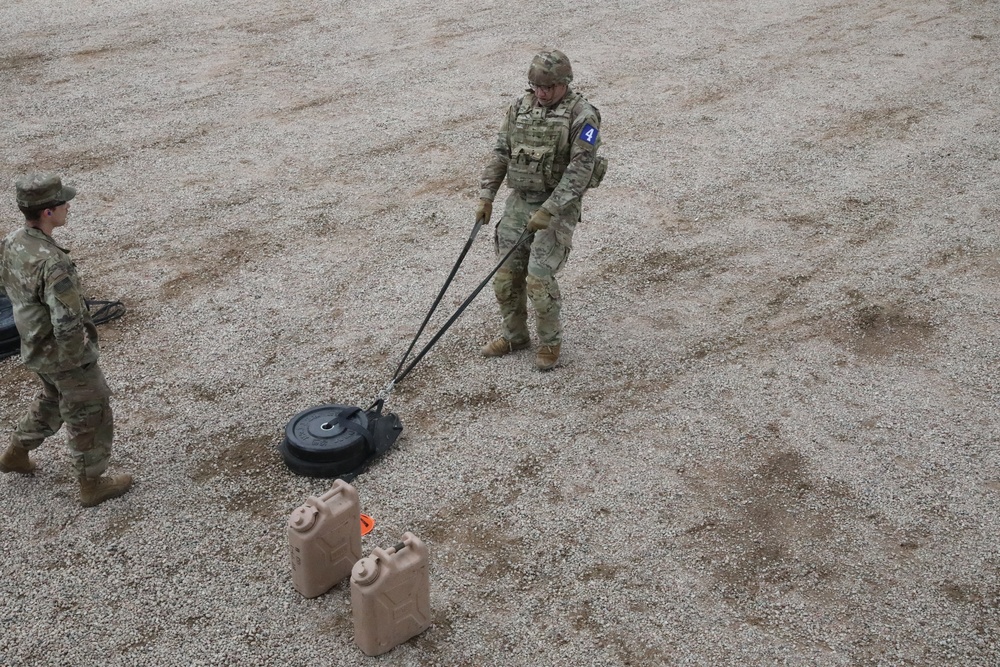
(338, 440)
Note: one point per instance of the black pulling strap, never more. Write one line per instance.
(447, 282)
(398, 377)
(343, 420)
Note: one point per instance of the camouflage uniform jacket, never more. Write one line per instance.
(50, 312)
(565, 167)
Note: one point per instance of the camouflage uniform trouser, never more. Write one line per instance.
(531, 270)
(79, 399)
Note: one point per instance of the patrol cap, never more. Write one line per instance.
(39, 190)
(549, 68)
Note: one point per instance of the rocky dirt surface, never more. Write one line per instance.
(773, 437)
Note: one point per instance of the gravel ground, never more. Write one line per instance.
(773, 436)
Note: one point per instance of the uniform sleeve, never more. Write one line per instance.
(72, 327)
(496, 169)
(585, 133)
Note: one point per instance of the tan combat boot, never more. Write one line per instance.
(502, 346)
(15, 459)
(547, 357)
(95, 491)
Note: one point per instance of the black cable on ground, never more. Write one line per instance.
(106, 310)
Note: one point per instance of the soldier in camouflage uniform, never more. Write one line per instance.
(547, 150)
(58, 343)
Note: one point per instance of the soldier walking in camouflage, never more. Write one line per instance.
(58, 343)
(547, 150)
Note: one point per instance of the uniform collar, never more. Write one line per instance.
(39, 234)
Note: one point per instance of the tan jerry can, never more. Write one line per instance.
(391, 596)
(324, 539)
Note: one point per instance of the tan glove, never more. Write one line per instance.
(484, 211)
(540, 220)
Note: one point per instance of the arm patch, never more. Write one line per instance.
(63, 285)
(589, 134)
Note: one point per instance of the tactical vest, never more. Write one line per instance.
(539, 144)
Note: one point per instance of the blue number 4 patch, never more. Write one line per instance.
(589, 134)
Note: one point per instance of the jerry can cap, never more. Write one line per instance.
(365, 571)
(303, 518)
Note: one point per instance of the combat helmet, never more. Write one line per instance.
(549, 68)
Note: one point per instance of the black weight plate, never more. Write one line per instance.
(314, 434)
(316, 445)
